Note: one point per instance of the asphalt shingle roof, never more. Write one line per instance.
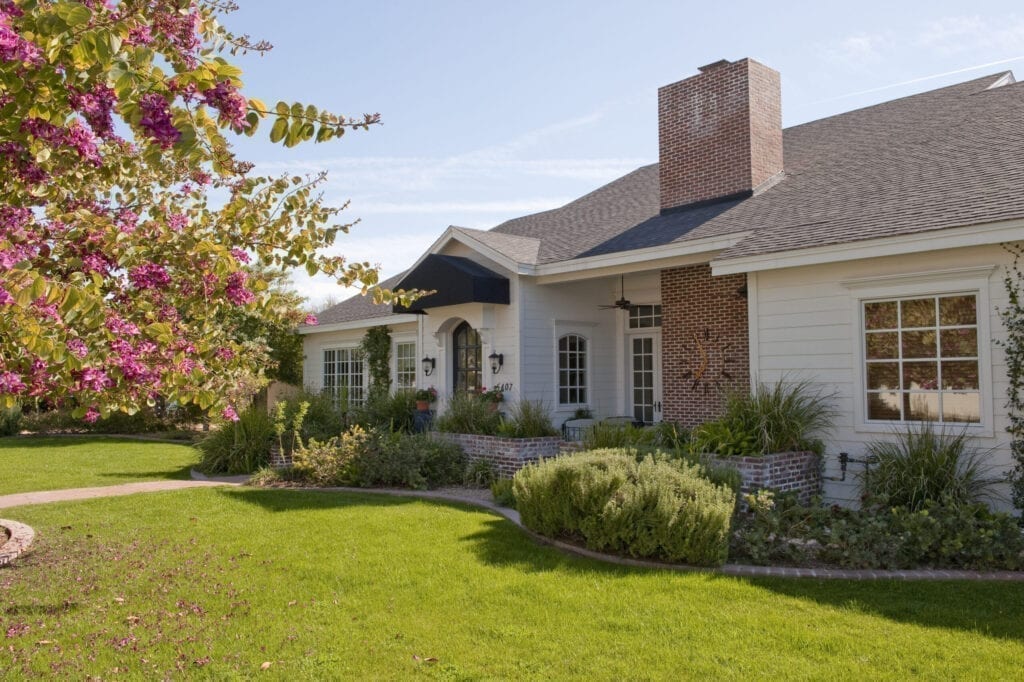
(946, 158)
(357, 307)
(940, 159)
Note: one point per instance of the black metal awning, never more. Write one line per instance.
(454, 280)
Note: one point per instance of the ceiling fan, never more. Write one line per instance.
(623, 302)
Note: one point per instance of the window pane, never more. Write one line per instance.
(919, 344)
(880, 315)
(959, 343)
(883, 375)
(918, 312)
(921, 407)
(883, 406)
(958, 310)
(921, 376)
(961, 407)
(962, 375)
(883, 346)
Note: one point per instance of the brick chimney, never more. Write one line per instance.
(719, 133)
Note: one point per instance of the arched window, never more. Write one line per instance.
(572, 370)
(466, 358)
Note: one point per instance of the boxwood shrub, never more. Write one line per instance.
(652, 508)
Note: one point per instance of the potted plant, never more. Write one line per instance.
(492, 397)
(424, 397)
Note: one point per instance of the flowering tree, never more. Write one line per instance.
(118, 277)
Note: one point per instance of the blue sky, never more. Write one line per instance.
(494, 110)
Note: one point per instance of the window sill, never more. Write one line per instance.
(973, 430)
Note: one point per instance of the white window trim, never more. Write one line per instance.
(404, 338)
(586, 371)
(584, 330)
(974, 281)
(349, 347)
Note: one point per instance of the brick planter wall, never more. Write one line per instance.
(798, 472)
(506, 455)
(278, 459)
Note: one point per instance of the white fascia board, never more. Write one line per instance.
(669, 255)
(933, 240)
(357, 324)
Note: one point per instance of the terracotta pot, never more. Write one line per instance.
(423, 405)
(493, 407)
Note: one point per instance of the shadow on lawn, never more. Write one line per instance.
(180, 474)
(994, 609)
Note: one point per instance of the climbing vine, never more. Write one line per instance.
(376, 348)
(1013, 346)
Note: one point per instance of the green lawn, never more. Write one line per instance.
(216, 582)
(28, 464)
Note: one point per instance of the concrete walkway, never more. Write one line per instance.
(44, 496)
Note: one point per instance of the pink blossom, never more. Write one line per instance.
(149, 276)
(96, 106)
(229, 414)
(311, 320)
(5, 297)
(120, 327)
(91, 415)
(240, 255)
(45, 309)
(77, 348)
(93, 379)
(11, 383)
(225, 353)
(225, 98)
(177, 221)
(156, 120)
(236, 291)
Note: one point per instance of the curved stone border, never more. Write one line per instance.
(18, 543)
(735, 570)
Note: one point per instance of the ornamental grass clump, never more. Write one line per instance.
(527, 419)
(655, 508)
(239, 447)
(779, 417)
(922, 464)
(467, 413)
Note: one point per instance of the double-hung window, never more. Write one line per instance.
(921, 359)
(405, 365)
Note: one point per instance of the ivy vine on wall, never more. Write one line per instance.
(1013, 320)
(376, 349)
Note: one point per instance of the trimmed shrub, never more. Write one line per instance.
(411, 461)
(239, 447)
(924, 465)
(467, 413)
(10, 421)
(654, 508)
(527, 419)
(503, 493)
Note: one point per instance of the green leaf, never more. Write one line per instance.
(279, 130)
(73, 13)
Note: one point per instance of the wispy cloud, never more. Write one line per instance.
(453, 207)
(859, 49)
(955, 35)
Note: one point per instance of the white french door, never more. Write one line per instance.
(644, 376)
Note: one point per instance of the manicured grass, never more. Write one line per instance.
(28, 464)
(216, 582)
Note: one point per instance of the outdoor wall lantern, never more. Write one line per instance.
(428, 365)
(497, 360)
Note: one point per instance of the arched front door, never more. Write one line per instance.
(467, 358)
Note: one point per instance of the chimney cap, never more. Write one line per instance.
(714, 65)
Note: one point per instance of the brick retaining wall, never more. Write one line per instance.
(798, 472)
(506, 455)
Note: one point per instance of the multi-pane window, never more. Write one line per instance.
(572, 370)
(921, 359)
(343, 376)
(644, 316)
(467, 351)
(405, 365)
